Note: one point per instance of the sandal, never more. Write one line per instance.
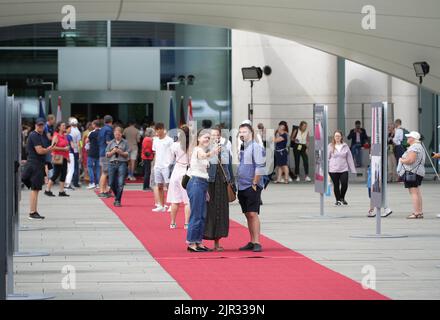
(415, 216)
(219, 249)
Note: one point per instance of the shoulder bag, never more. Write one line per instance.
(409, 175)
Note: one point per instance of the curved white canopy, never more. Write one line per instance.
(407, 30)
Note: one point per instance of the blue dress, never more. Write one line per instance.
(281, 152)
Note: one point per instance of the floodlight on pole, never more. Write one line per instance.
(252, 74)
(421, 69)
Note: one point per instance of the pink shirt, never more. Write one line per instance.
(340, 161)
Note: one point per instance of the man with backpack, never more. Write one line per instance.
(399, 140)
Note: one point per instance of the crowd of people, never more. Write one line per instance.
(109, 155)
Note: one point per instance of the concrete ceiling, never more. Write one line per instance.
(407, 30)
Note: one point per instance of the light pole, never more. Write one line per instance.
(252, 74)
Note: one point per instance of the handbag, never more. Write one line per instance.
(57, 159)
(185, 180)
(230, 188)
(408, 175)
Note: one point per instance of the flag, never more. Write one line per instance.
(172, 117)
(190, 112)
(49, 111)
(182, 113)
(59, 115)
(41, 111)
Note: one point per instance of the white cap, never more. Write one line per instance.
(413, 134)
(249, 122)
(73, 121)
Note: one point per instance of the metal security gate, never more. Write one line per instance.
(10, 194)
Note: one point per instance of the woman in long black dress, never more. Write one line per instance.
(217, 218)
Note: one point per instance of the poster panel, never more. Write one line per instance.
(376, 166)
(321, 140)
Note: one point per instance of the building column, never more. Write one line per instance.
(341, 93)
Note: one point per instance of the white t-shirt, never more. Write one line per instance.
(162, 149)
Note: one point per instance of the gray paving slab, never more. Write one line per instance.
(111, 263)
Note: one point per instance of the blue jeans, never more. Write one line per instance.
(116, 175)
(196, 188)
(94, 170)
(75, 178)
(357, 154)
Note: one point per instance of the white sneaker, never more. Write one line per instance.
(297, 179)
(290, 179)
(91, 186)
(438, 216)
(159, 209)
(308, 179)
(386, 213)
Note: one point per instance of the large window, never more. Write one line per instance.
(203, 52)
(151, 34)
(211, 88)
(86, 34)
(28, 72)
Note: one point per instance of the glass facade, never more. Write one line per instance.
(151, 34)
(30, 68)
(28, 74)
(211, 88)
(87, 34)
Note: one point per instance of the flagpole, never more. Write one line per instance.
(59, 114)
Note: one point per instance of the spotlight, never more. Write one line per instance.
(252, 73)
(421, 69)
(191, 79)
(181, 79)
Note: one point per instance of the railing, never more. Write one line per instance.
(270, 114)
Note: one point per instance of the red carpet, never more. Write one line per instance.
(139, 179)
(277, 273)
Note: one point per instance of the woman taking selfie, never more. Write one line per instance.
(197, 190)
